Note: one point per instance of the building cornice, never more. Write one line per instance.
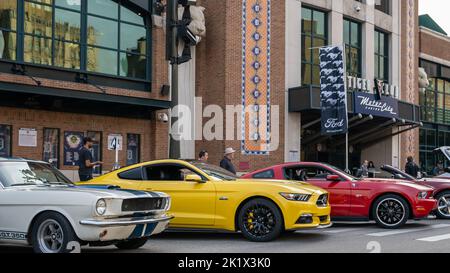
(434, 33)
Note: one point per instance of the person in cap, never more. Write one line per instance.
(85, 160)
(226, 161)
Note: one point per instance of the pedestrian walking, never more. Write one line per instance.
(86, 166)
(226, 162)
(365, 169)
(411, 167)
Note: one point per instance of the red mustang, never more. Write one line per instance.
(389, 202)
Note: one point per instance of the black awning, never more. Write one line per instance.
(65, 100)
(307, 100)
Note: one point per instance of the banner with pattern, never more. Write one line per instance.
(333, 93)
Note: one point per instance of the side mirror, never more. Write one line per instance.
(333, 178)
(193, 178)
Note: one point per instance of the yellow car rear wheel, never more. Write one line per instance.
(260, 220)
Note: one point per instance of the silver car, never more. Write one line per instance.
(40, 207)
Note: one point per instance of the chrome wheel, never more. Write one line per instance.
(444, 205)
(50, 236)
(259, 220)
(390, 211)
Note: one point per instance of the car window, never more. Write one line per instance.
(265, 174)
(305, 173)
(133, 174)
(168, 173)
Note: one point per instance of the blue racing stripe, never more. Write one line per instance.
(150, 228)
(137, 232)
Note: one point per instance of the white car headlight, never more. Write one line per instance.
(100, 207)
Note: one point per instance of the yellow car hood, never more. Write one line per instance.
(288, 186)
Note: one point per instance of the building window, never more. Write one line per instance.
(435, 102)
(381, 56)
(314, 35)
(100, 36)
(8, 30)
(431, 138)
(352, 40)
(383, 5)
(117, 43)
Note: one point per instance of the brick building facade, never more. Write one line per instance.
(222, 83)
(124, 100)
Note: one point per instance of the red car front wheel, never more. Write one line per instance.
(390, 211)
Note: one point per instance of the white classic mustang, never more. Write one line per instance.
(40, 207)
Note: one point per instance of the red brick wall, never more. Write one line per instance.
(220, 83)
(153, 133)
(434, 46)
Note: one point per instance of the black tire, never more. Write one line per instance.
(443, 213)
(390, 211)
(51, 233)
(132, 244)
(268, 218)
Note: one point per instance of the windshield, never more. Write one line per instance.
(341, 172)
(30, 173)
(395, 173)
(215, 172)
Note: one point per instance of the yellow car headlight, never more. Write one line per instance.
(296, 196)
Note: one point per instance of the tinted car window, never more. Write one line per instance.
(303, 173)
(168, 173)
(264, 174)
(133, 174)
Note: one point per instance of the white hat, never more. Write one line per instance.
(229, 151)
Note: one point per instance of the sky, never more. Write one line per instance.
(439, 10)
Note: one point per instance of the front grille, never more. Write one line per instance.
(323, 218)
(322, 201)
(143, 204)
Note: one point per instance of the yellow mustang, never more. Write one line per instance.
(208, 197)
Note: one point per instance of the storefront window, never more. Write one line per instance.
(106, 36)
(8, 29)
(381, 56)
(352, 40)
(314, 35)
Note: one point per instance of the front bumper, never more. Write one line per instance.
(423, 207)
(300, 215)
(105, 230)
(126, 222)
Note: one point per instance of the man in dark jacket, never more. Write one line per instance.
(411, 167)
(226, 161)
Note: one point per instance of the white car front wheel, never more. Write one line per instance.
(51, 233)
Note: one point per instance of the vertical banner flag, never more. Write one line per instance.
(333, 94)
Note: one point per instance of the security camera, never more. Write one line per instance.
(163, 117)
(358, 8)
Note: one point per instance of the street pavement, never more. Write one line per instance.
(426, 236)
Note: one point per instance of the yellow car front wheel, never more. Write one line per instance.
(260, 220)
